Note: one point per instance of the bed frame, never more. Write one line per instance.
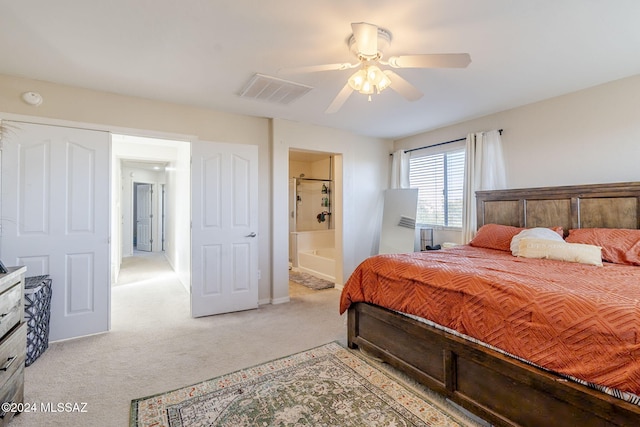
(502, 390)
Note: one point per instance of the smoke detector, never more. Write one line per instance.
(32, 98)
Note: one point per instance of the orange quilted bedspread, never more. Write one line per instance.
(571, 318)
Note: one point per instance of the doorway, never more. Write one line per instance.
(210, 205)
(145, 218)
(312, 213)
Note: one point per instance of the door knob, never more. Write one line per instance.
(252, 234)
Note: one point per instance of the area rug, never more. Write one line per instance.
(309, 281)
(324, 386)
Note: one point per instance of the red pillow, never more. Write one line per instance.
(619, 245)
(496, 236)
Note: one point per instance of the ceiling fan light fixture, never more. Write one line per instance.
(357, 80)
(367, 88)
(368, 80)
(383, 82)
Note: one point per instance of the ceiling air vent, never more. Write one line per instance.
(271, 89)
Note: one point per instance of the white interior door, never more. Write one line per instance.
(143, 217)
(55, 219)
(224, 210)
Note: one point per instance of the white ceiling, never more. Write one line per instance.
(202, 52)
(144, 165)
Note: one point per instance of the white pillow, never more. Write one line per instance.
(560, 251)
(533, 233)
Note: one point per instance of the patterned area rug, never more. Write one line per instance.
(325, 386)
(309, 281)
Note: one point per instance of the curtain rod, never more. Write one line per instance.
(313, 179)
(440, 143)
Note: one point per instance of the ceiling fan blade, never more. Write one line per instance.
(339, 100)
(403, 87)
(436, 60)
(316, 68)
(366, 37)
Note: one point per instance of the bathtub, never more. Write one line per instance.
(319, 262)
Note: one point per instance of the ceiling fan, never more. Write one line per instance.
(367, 43)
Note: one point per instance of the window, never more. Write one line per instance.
(439, 179)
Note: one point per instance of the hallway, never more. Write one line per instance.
(147, 294)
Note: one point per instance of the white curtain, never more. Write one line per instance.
(400, 169)
(484, 170)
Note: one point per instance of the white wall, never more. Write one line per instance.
(589, 136)
(361, 166)
(178, 214)
(116, 219)
(309, 193)
(585, 137)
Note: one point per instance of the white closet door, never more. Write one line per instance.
(55, 219)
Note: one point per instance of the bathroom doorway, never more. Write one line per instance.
(312, 242)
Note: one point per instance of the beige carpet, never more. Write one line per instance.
(155, 346)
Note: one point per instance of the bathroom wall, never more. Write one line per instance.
(312, 203)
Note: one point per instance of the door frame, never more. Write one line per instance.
(175, 154)
(280, 212)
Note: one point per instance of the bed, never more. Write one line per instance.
(510, 384)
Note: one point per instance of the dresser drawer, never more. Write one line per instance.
(11, 308)
(14, 392)
(12, 353)
(16, 387)
(12, 357)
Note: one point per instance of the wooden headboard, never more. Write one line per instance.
(576, 206)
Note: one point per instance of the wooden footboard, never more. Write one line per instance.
(497, 388)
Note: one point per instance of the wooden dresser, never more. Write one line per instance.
(13, 340)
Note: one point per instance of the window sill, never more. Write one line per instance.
(439, 227)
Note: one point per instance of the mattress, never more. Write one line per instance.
(578, 320)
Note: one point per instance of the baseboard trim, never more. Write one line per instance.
(280, 300)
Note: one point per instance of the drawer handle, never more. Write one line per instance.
(12, 310)
(8, 363)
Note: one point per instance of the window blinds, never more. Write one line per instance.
(440, 180)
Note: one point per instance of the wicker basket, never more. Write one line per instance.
(37, 311)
